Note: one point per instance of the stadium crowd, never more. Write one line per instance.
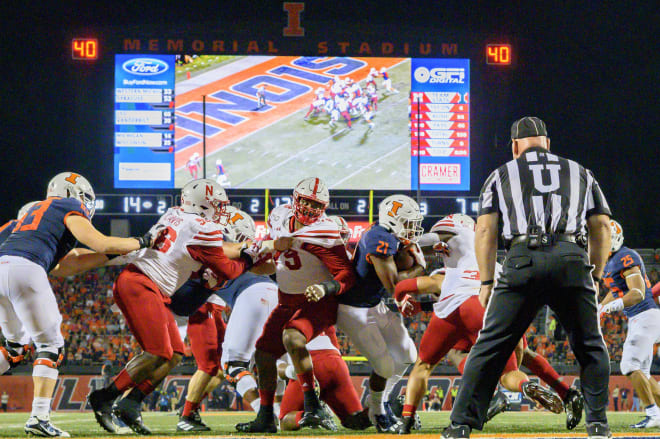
(95, 331)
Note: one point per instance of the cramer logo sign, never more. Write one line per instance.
(440, 173)
(440, 75)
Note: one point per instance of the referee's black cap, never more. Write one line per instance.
(528, 126)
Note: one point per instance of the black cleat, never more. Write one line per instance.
(573, 405)
(545, 397)
(396, 408)
(316, 418)
(192, 423)
(498, 404)
(102, 408)
(128, 412)
(357, 421)
(263, 423)
(456, 432)
(406, 425)
(598, 430)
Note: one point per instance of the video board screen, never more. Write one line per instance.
(269, 121)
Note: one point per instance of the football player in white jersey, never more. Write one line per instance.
(310, 276)
(192, 239)
(458, 314)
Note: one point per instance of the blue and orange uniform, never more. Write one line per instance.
(624, 259)
(41, 236)
(368, 290)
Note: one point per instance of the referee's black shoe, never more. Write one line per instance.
(263, 423)
(456, 432)
(598, 430)
(573, 405)
(546, 398)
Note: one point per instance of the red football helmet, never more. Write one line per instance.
(312, 190)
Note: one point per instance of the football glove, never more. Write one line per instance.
(416, 252)
(442, 248)
(613, 306)
(408, 307)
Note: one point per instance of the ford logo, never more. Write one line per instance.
(145, 66)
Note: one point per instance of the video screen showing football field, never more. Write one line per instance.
(273, 120)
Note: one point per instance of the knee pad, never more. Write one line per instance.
(47, 361)
(238, 374)
(15, 353)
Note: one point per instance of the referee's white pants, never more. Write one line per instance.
(379, 335)
(28, 308)
(246, 322)
(643, 333)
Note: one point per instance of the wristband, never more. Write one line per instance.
(331, 287)
(487, 282)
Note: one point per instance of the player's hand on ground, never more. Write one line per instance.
(408, 307)
(315, 292)
(283, 244)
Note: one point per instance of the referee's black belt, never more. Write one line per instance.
(546, 239)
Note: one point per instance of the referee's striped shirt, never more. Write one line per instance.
(543, 189)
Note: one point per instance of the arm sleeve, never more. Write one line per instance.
(488, 201)
(215, 258)
(596, 202)
(336, 260)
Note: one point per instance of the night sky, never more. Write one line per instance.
(591, 74)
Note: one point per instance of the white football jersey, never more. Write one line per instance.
(170, 265)
(461, 273)
(296, 268)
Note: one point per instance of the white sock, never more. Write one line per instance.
(276, 409)
(376, 402)
(256, 404)
(41, 407)
(653, 411)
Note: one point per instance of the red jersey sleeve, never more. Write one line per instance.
(215, 259)
(336, 260)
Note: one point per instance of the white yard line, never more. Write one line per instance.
(369, 164)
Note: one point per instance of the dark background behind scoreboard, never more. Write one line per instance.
(590, 73)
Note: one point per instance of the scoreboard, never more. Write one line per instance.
(144, 121)
(259, 204)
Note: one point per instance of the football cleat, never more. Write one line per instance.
(456, 432)
(647, 422)
(498, 404)
(41, 426)
(102, 408)
(406, 425)
(357, 421)
(128, 412)
(598, 430)
(546, 398)
(191, 423)
(573, 405)
(263, 423)
(318, 418)
(385, 424)
(396, 408)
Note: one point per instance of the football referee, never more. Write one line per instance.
(546, 204)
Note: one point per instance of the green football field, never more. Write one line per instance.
(281, 154)
(510, 424)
